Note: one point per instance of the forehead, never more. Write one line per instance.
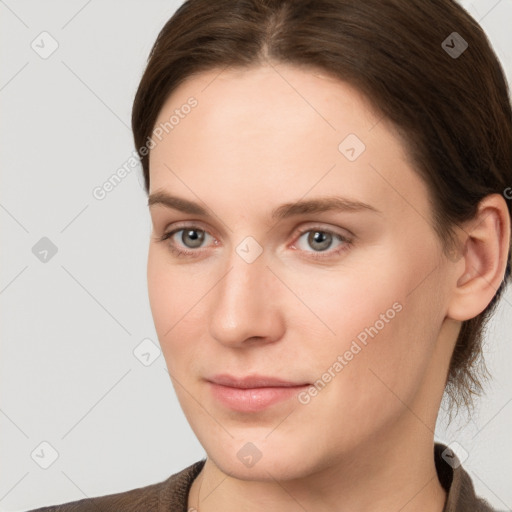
(282, 97)
(280, 128)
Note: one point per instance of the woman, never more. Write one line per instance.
(341, 168)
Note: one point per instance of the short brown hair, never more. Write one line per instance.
(453, 110)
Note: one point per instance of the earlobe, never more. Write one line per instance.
(486, 249)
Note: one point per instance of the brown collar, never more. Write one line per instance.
(455, 480)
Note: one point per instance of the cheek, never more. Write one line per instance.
(160, 292)
(382, 317)
(177, 300)
(172, 290)
(385, 336)
(167, 298)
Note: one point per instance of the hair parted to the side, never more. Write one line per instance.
(454, 114)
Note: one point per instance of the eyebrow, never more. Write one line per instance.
(301, 207)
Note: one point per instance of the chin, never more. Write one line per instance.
(278, 467)
(254, 458)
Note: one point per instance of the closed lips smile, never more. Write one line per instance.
(252, 394)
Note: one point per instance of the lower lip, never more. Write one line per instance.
(253, 399)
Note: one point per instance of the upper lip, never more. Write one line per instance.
(253, 381)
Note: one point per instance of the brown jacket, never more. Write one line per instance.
(171, 495)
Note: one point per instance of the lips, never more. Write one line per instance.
(254, 381)
(253, 393)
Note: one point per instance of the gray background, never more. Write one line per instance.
(70, 325)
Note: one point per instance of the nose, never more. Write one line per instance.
(245, 305)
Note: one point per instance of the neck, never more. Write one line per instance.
(369, 479)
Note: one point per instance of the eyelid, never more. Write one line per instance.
(192, 224)
(297, 234)
(319, 226)
(346, 241)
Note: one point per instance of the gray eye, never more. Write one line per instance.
(319, 240)
(196, 237)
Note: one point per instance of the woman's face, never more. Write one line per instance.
(349, 300)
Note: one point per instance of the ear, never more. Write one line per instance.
(480, 271)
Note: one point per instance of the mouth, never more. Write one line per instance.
(253, 393)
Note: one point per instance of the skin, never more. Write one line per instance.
(269, 135)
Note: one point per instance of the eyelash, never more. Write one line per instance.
(314, 255)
